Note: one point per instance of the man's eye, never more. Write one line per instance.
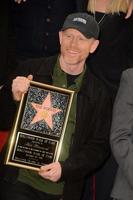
(68, 36)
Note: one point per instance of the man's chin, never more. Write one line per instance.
(71, 61)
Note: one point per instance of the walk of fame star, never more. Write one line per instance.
(45, 111)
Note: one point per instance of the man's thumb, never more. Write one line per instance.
(30, 77)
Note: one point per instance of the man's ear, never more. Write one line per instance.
(94, 46)
(60, 36)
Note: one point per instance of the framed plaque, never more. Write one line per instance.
(38, 131)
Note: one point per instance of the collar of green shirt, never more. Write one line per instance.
(60, 78)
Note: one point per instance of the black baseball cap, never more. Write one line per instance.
(84, 23)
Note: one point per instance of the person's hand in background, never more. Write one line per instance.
(130, 10)
(19, 1)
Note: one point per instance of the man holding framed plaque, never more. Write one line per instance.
(85, 143)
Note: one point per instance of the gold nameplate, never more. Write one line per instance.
(39, 128)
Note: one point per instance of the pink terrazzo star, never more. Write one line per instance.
(45, 111)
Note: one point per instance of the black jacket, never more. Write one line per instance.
(90, 146)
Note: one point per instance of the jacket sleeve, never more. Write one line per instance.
(94, 149)
(122, 126)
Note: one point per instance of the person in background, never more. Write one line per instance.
(129, 11)
(121, 138)
(37, 23)
(7, 43)
(86, 140)
(113, 55)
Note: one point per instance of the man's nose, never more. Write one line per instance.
(74, 42)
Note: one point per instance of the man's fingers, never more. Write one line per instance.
(51, 171)
(20, 86)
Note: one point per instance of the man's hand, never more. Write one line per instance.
(51, 171)
(130, 10)
(20, 86)
(19, 1)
